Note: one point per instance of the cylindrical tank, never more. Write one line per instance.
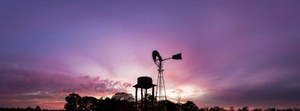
(144, 80)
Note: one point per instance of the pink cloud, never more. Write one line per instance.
(23, 88)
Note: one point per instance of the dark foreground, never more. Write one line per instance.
(124, 102)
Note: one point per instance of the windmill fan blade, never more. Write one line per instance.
(177, 56)
(156, 56)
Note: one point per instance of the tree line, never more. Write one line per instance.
(119, 102)
(125, 102)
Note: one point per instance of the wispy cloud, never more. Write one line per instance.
(36, 87)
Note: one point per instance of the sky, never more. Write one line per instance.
(235, 53)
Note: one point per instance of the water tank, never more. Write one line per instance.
(144, 82)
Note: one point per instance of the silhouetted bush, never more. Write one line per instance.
(189, 106)
(170, 106)
(77, 103)
(216, 108)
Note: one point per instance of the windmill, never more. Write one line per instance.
(158, 60)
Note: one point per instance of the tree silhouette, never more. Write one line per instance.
(204, 109)
(108, 104)
(72, 102)
(217, 108)
(270, 109)
(37, 108)
(170, 106)
(189, 106)
(123, 96)
(231, 108)
(256, 109)
(29, 109)
(87, 103)
(246, 108)
(150, 98)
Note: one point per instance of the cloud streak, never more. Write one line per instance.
(20, 86)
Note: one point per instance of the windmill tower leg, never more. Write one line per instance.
(161, 89)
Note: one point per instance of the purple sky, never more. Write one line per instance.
(235, 53)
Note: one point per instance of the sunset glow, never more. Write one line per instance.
(235, 53)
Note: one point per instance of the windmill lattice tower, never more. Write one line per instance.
(161, 89)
